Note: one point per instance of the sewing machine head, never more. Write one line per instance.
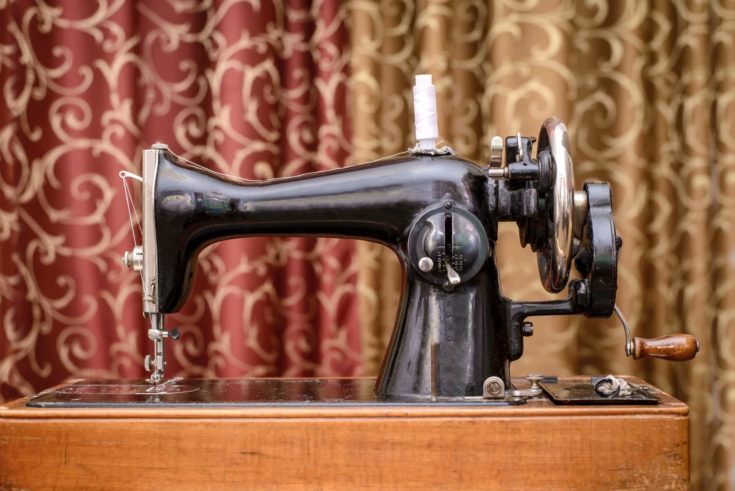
(456, 334)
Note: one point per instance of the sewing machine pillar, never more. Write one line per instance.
(441, 356)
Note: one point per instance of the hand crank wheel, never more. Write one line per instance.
(555, 257)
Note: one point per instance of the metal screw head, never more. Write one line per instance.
(134, 259)
(447, 204)
(493, 388)
(527, 328)
(426, 264)
(534, 378)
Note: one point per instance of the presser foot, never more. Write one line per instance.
(157, 362)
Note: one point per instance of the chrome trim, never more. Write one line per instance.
(555, 259)
(580, 213)
(629, 348)
(150, 256)
(497, 172)
(134, 259)
(496, 152)
(493, 388)
(157, 363)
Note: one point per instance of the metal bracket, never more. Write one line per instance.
(493, 388)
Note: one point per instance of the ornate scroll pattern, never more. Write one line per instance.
(647, 92)
(253, 88)
(261, 89)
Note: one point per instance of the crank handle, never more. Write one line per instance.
(674, 347)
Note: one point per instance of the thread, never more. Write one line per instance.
(424, 110)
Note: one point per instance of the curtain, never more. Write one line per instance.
(256, 89)
(266, 88)
(647, 90)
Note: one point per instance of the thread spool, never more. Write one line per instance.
(424, 110)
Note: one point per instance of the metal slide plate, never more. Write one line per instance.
(578, 392)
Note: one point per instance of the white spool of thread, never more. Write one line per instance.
(424, 110)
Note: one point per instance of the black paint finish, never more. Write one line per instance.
(440, 207)
(220, 393)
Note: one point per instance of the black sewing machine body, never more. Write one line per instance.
(456, 334)
(438, 213)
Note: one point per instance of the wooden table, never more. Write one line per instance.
(537, 445)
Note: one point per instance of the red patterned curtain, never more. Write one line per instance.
(256, 89)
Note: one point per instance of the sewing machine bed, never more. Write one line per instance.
(220, 393)
(284, 392)
(332, 434)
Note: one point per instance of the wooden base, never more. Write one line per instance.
(534, 446)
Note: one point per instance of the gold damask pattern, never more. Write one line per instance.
(648, 92)
(253, 88)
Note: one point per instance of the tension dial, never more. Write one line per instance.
(448, 245)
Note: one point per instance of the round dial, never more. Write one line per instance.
(448, 245)
(555, 257)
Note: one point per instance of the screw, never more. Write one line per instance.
(447, 204)
(535, 378)
(493, 388)
(527, 328)
(426, 264)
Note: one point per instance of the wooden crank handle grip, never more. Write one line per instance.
(675, 347)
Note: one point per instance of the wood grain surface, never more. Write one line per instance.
(535, 446)
(674, 347)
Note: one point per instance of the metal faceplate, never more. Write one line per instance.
(448, 238)
(150, 247)
(577, 392)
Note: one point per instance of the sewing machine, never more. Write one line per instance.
(456, 334)
(446, 377)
